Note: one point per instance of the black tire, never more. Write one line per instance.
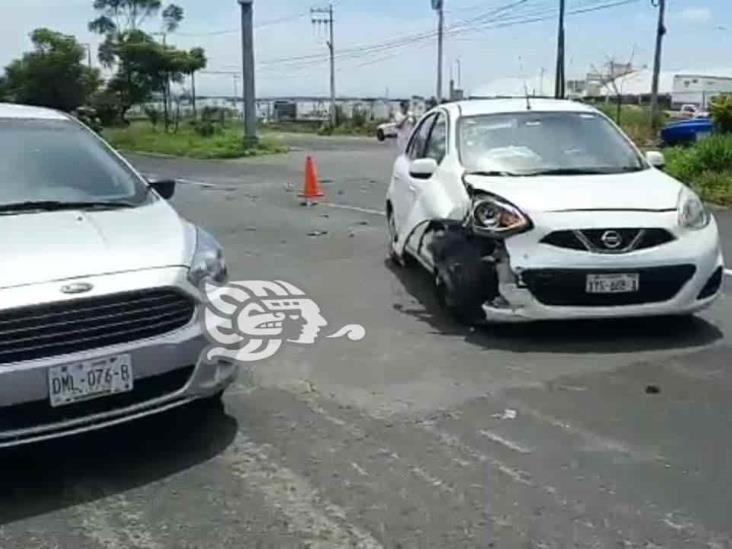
(213, 402)
(463, 282)
(391, 236)
(380, 135)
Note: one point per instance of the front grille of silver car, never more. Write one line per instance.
(60, 328)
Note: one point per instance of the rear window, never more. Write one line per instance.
(60, 160)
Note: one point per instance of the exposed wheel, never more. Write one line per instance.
(380, 135)
(391, 236)
(214, 402)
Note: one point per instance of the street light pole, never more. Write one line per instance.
(559, 78)
(440, 7)
(247, 47)
(660, 32)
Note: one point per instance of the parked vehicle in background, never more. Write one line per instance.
(686, 132)
(688, 111)
(387, 130)
(99, 289)
(543, 209)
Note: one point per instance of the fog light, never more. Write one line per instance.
(713, 284)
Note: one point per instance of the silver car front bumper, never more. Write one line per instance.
(170, 363)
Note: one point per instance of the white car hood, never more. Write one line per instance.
(645, 190)
(49, 246)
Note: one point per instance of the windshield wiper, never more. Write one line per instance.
(56, 205)
(493, 173)
(583, 171)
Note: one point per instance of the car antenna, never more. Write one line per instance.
(526, 92)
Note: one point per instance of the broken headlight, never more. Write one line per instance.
(493, 216)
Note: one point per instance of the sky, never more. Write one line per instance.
(388, 46)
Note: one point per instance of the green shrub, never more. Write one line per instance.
(108, 106)
(205, 128)
(721, 111)
(153, 114)
(706, 166)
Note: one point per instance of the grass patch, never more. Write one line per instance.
(706, 167)
(228, 142)
(635, 121)
(291, 127)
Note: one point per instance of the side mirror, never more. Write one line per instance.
(164, 187)
(423, 168)
(656, 159)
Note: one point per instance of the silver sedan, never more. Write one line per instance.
(99, 287)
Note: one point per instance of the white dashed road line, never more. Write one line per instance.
(354, 208)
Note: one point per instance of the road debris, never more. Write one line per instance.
(317, 232)
(652, 389)
(508, 413)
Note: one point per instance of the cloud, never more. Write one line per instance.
(696, 15)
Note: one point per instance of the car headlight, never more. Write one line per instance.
(497, 217)
(692, 212)
(208, 260)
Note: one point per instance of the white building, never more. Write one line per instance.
(698, 88)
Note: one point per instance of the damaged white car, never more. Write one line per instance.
(543, 209)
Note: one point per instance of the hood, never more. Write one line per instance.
(644, 190)
(49, 246)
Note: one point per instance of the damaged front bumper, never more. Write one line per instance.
(538, 281)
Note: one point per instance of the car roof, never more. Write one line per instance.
(473, 107)
(26, 112)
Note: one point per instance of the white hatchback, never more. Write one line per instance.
(543, 209)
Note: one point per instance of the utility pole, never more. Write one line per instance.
(559, 79)
(324, 16)
(236, 78)
(248, 89)
(439, 6)
(660, 32)
(541, 82)
(88, 54)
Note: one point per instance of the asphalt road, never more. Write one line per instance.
(424, 434)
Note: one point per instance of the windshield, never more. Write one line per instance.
(60, 161)
(532, 143)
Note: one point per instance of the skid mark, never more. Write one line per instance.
(113, 523)
(315, 520)
(455, 443)
(498, 439)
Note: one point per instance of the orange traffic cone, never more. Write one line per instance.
(311, 188)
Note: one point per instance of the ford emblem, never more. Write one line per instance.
(77, 288)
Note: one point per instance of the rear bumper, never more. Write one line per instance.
(168, 372)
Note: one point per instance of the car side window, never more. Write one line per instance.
(437, 143)
(419, 139)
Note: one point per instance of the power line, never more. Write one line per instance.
(518, 12)
(538, 13)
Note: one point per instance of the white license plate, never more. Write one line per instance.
(612, 283)
(90, 379)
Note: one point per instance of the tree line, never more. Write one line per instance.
(54, 73)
